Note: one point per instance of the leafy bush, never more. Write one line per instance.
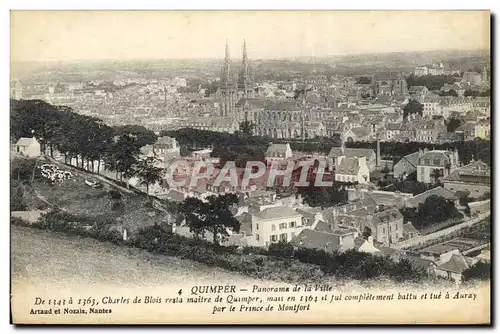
(117, 206)
(19, 221)
(282, 249)
(480, 271)
(17, 198)
(115, 194)
(281, 262)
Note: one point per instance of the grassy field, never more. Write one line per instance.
(44, 259)
(74, 196)
(47, 258)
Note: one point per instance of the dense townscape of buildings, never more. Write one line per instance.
(309, 106)
(378, 107)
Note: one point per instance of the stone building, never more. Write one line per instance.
(474, 179)
(229, 91)
(392, 83)
(429, 162)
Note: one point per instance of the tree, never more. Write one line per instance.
(436, 174)
(436, 209)
(17, 198)
(22, 169)
(123, 155)
(470, 92)
(142, 135)
(480, 271)
(453, 124)
(220, 218)
(213, 216)
(413, 107)
(247, 127)
(451, 92)
(322, 196)
(364, 80)
(195, 214)
(432, 82)
(147, 172)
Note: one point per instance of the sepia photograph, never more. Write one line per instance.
(250, 167)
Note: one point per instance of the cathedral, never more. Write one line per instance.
(275, 118)
(230, 91)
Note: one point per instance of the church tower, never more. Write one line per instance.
(228, 93)
(485, 75)
(245, 85)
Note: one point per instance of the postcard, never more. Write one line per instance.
(250, 167)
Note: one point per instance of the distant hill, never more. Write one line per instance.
(33, 72)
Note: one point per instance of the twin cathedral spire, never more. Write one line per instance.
(230, 91)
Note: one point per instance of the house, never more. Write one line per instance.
(392, 131)
(337, 240)
(353, 170)
(202, 154)
(449, 104)
(378, 197)
(357, 134)
(415, 201)
(430, 162)
(369, 154)
(467, 130)
(407, 165)
(365, 245)
(386, 226)
(449, 137)
(473, 78)
(425, 265)
(418, 92)
(275, 224)
(436, 69)
(314, 129)
(409, 231)
(421, 70)
(431, 106)
(166, 146)
(453, 264)
(310, 216)
(482, 104)
(474, 178)
(482, 130)
(28, 147)
(359, 208)
(484, 256)
(278, 152)
(427, 130)
(479, 207)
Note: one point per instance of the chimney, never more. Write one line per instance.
(378, 151)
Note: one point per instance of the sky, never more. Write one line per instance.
(127, 35)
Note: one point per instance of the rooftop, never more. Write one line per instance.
(386, 216)
(316, 240)
(437, 191)
(348, 166)
(457, 264)
(277, 212)
(25, 141)
(352, 152)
